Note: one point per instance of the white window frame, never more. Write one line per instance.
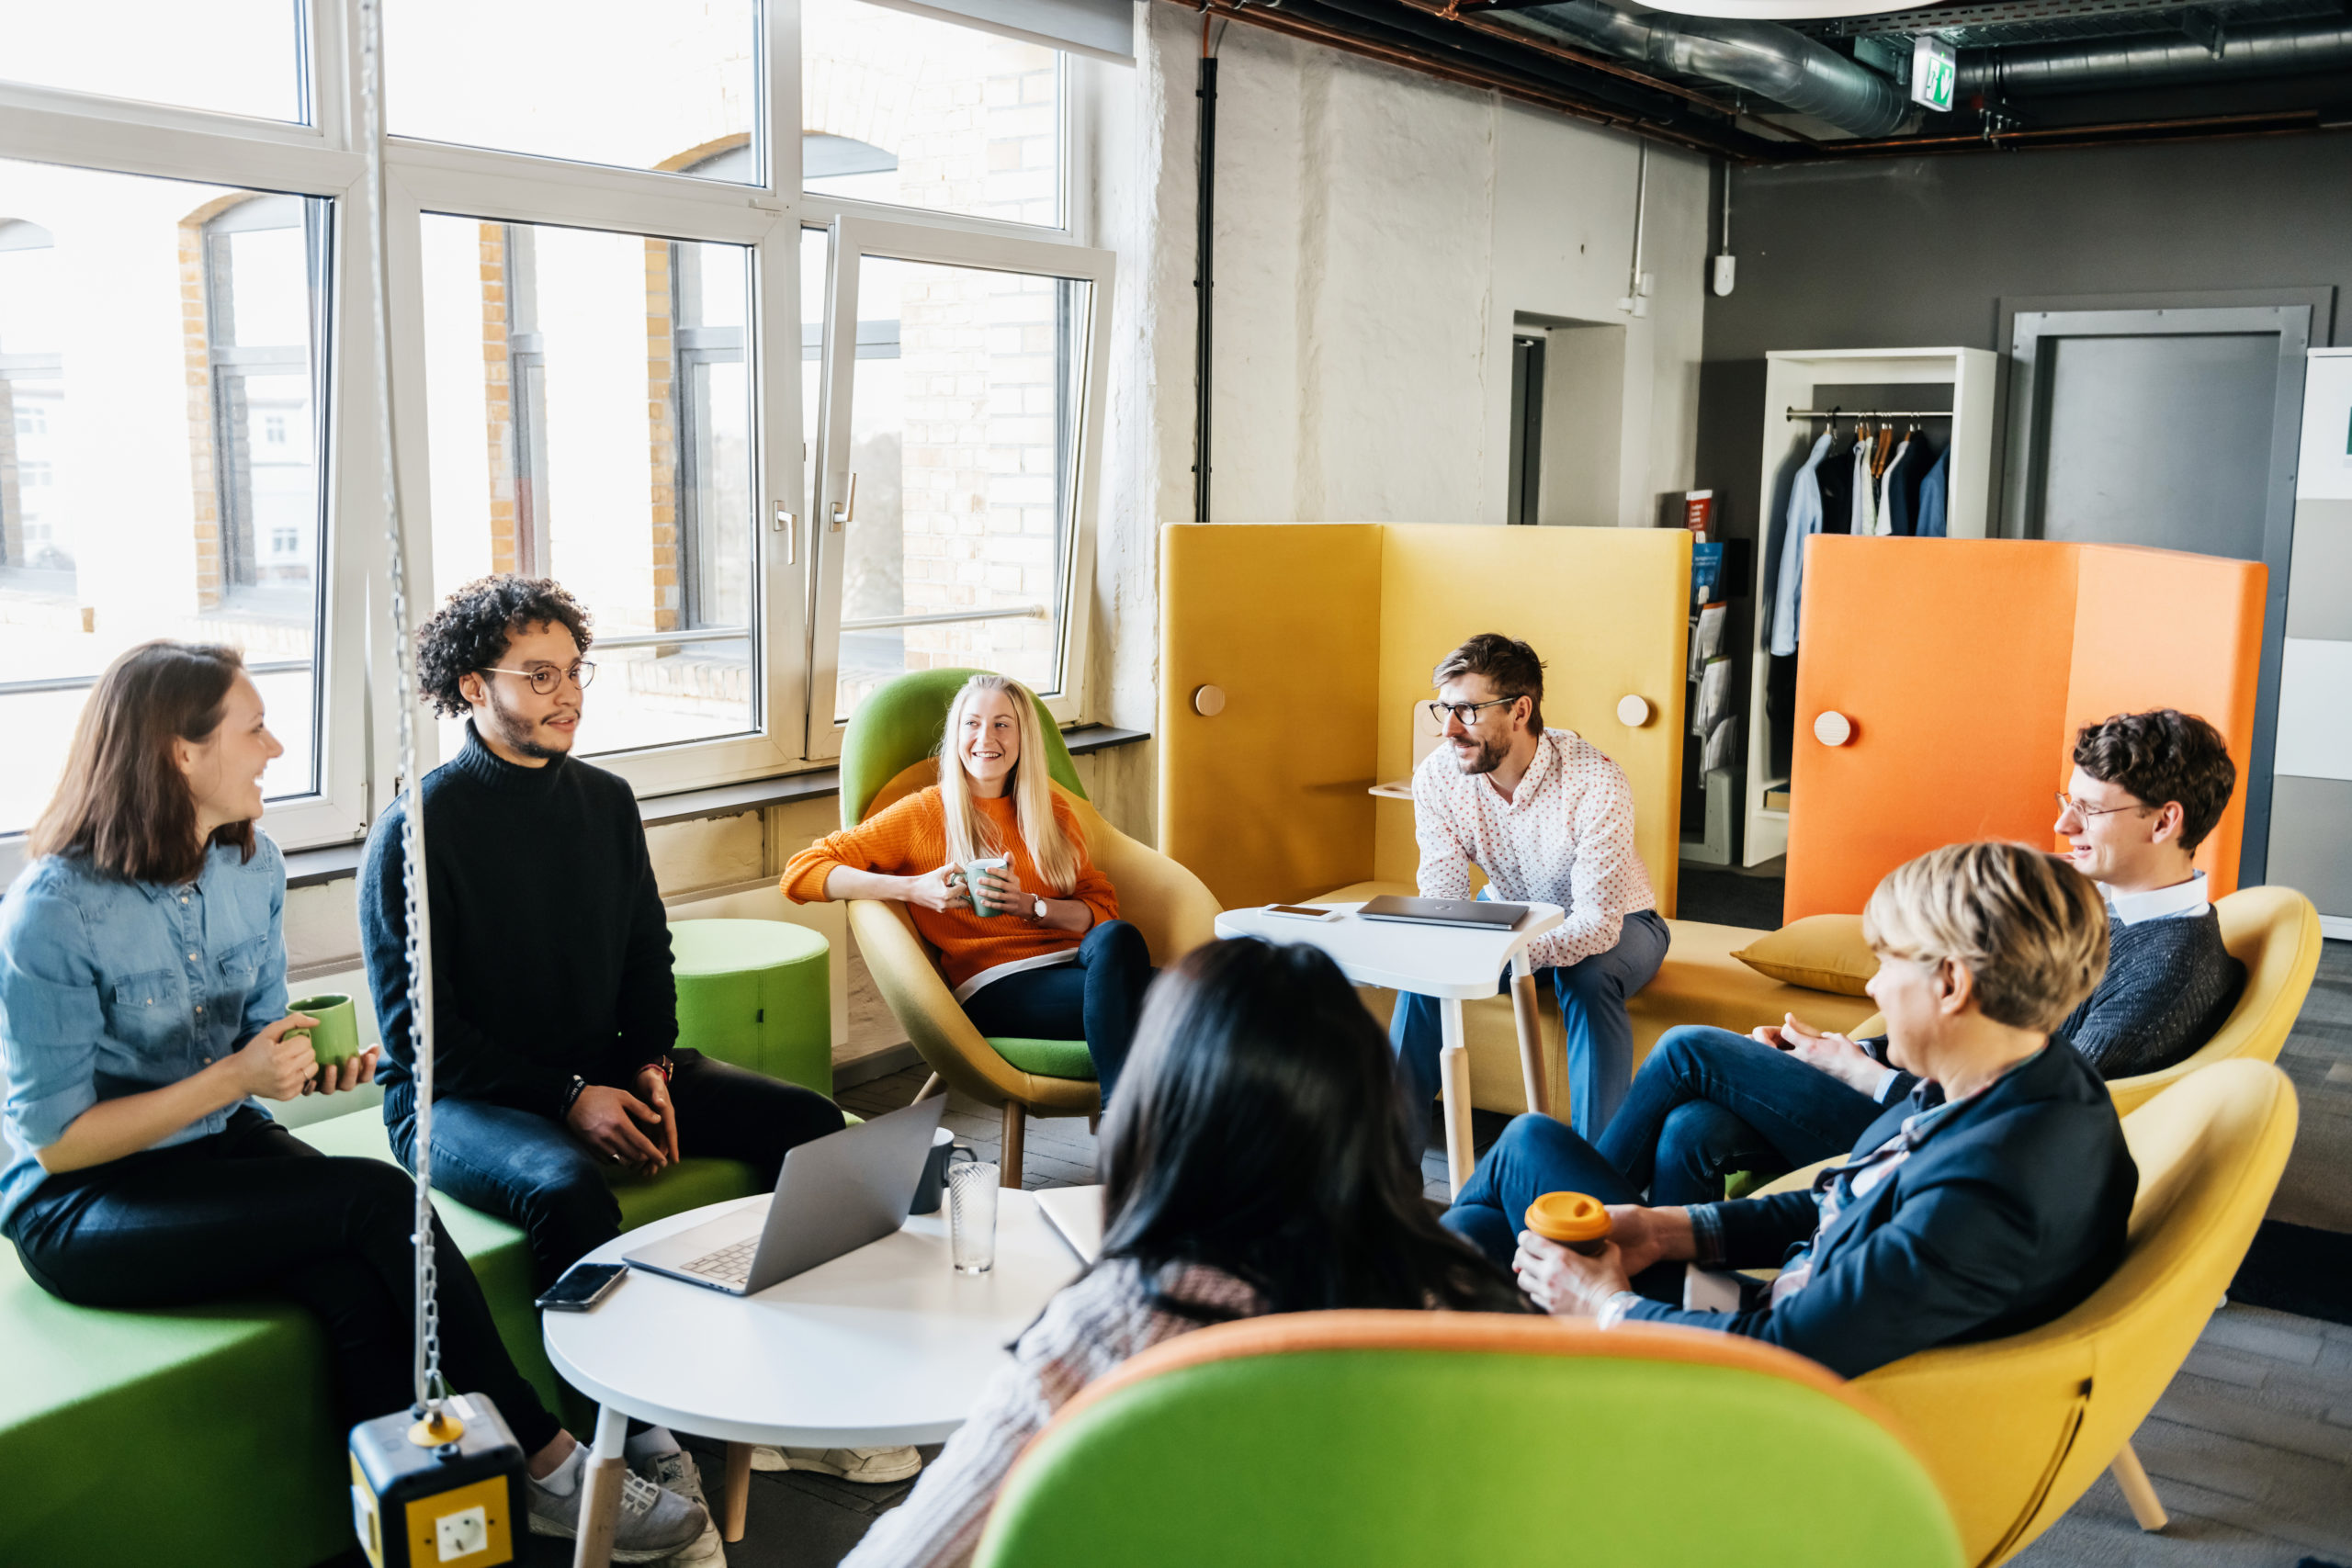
(356, 736)
(861, 229)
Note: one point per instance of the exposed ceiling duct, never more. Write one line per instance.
(1763, 58)
(2091, 66)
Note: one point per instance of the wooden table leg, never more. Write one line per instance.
(600, 1503)
(1526, 1010)
(739, 1491)
(1009, 1159)
(1453, 1080)
(2129, 1475)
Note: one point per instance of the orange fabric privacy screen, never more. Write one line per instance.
(1963, 668)
(1317, 639)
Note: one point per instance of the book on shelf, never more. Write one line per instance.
(1706, 573)
(1699, 513)
(1706, 636)
(1777, 799)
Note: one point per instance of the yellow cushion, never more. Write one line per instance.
(1821, 953)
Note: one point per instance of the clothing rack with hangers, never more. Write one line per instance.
(1870, 413)
(1810, 395)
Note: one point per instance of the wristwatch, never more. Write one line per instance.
(1037, 909)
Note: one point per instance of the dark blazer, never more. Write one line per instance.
(2010, 1213)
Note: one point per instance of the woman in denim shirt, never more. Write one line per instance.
(143, 1015)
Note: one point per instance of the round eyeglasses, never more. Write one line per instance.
(545, 678)
(2068, 803)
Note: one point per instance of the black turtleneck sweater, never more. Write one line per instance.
(550, 948)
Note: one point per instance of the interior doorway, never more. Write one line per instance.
(2173, 427)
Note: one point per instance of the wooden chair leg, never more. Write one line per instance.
(2145, 1507)
(931, 1086)
(1008, 1163)
(739, 1491)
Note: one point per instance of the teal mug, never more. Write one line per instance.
(336, 1038)
(972, 869)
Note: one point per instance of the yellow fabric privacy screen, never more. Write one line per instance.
(1316, 639)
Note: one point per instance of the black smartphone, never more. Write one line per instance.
(581, 1287)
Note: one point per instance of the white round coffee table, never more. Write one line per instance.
(887, 1345)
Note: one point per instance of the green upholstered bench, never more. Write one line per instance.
(198, 1436)
(758, 993)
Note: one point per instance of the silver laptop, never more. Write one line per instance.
(1484, 915)
(834, 1194)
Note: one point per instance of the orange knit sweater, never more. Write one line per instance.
(910, 838)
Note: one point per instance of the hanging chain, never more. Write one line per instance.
(416, 908)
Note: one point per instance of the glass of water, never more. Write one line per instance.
(971, 1213)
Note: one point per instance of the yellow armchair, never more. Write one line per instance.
(889, 753)
(2014, 1430)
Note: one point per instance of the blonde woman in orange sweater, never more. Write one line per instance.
(1051, 959)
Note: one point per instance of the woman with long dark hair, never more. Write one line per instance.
(142, 1019)
(1256, 1162)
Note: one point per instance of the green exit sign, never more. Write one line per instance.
(1935, 70)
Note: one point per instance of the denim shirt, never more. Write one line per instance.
(111, 988)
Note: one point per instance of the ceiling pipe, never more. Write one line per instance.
(1763, 58)
(2294, 48)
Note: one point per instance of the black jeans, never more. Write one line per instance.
(254, 1208)
(1708, 1102)
(531, 1170)
(1097, 999)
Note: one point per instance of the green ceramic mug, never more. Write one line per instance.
(335, 1040)
(972, 869)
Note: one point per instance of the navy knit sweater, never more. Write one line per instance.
(2168, 988)
(2169, 984)
(550, 948)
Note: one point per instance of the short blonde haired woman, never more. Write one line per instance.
(1051, 959)
(1990, 1201)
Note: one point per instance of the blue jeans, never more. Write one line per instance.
(529, 1169)
(1708, 1102)
(1592, 1005)
(1097, 999)
(1535, 1156)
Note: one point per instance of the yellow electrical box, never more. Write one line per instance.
(446, 1496)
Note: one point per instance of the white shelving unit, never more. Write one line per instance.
(1789, 380)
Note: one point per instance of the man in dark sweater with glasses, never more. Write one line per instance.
(555, 1009)
(2146, 790)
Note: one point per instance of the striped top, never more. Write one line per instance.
(1091, 1327)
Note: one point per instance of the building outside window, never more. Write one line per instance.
(600, 385)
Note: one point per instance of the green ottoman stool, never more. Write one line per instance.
(758, 993)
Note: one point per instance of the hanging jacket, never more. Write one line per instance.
(1932, 491)
(1894, 506)
(1865, 498)
(1804, 520)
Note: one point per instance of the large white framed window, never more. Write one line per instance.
(611, 351)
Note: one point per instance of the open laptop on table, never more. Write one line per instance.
(834, 1194)
(1474, 913)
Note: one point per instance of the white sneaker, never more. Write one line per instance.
(652, 1523)
(871, 1467)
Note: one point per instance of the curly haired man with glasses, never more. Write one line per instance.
(555, 1007)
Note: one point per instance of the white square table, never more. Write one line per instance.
(1452, 964)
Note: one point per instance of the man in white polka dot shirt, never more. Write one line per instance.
(1550, 819)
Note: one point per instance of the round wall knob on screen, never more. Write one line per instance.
(1633, 712)
(1208, 701)
(1832, 728)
